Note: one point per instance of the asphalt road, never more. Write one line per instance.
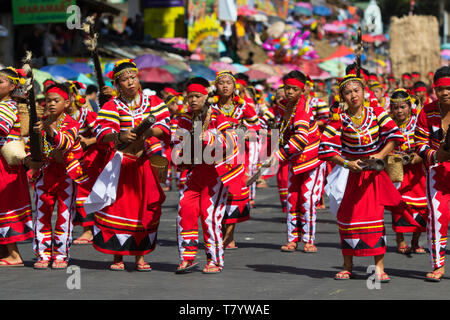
(258, 270)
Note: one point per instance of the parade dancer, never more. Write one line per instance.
(205, 192)
(86, 119)
(55, 180)
(358, 197)
(15, 216)
(239, 114)
(412, 188)
(299, 144)
(127, 197)
(272, 120)
(252, 146)
(432, 146)
(420, 91)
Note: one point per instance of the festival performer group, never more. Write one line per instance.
(369, 147)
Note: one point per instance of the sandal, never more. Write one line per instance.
(231, 246)
(418, 250)
(41, 264)
(211, 268)
(80, 241)
(59, 264)
(382, 277)
(309, 248)
(405, 249)
(9, 264)
(186, 266)
(343, 275)
(143, 267)
(434, 276)
(117, 266)
(289, 247)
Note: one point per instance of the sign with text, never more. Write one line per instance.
(40, 11)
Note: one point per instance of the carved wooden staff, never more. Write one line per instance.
(91, 44)
(35, 138)
(359, 53)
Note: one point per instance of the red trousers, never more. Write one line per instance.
(282, 181)
(203, 196)
(304, 192)
(54, 186)
(438, 196)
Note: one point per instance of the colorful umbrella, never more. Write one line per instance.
(156, 75)
(87, 81)
(149, 61)
(202, 71)
(303, 8)
(240, 68)
(172, 69)
(80, 67)
(61, 71)
(220, 66)
(256, 75)
(322, 11)
(264, 68)
(40, 76)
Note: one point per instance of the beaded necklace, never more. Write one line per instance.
(285, 123)
(47, 148)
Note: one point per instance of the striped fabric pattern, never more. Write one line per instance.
(116, 116)
(301, 139)
(341, 138)
(9, 122)
(429, 133)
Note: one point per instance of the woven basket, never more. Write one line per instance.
(394, 168)
(24, 118)
(161, 166)
(14, 152)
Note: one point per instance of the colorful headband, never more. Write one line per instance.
(242, 82)
(353, 72)
(420, 89)
(399, 100)
(18, 79)
(225, 73)
(131, 68)
(170, 100)
(59, 91)
(294, 82)
(347, 79)
(172, 91)
(195, 87)
(376, 85)
(442, 82)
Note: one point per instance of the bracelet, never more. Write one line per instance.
(345, 165)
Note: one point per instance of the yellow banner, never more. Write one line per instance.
(164, 22)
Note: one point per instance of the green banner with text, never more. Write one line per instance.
(40, 11)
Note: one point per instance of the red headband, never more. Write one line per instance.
(442, 82)
(294, 82)
(405, 76)
(172, 91)
(420, 89)
(373, 78)
(366, 78)
(59, 91)
(242, 82)
(195, 87)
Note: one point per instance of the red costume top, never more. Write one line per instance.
(300, 139)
